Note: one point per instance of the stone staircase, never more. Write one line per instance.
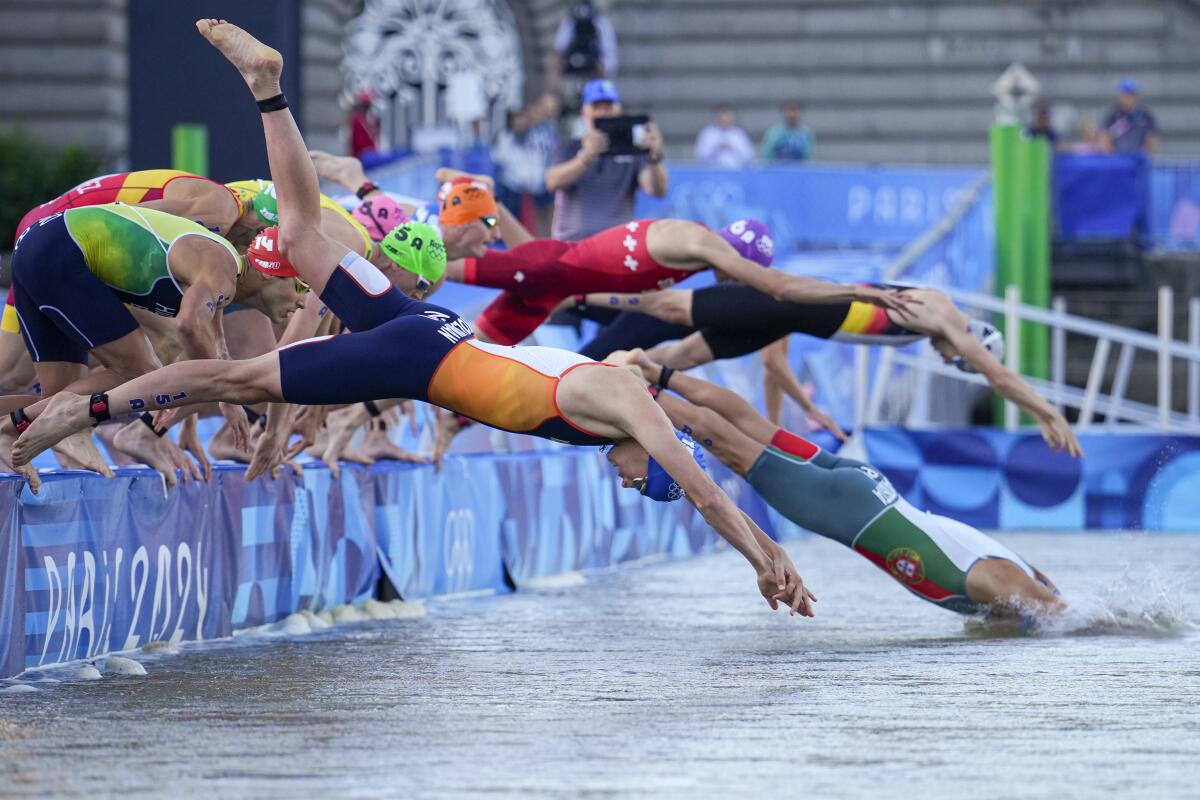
(890, 81)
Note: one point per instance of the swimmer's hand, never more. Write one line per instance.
(826, 422)
(1059, 436)
(903, 303)
(270, 455)
(782, 583)
(189, 440)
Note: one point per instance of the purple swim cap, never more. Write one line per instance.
(751, 239)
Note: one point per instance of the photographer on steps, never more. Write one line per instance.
(595, 190)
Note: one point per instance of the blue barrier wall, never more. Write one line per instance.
(997, 480)
(92, 565)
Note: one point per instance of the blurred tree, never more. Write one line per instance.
(31, 174)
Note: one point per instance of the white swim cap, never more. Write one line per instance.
(989, 336)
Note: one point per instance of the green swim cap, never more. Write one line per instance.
(266, 206)
(418, 248)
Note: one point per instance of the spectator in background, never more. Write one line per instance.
(1042, 126)
(593, 190)
(520, 170)
(724, 144)
(1090, 142)
(584, 48)
(364, 125)
(1130, 127)
(788, 140)
(543, 135)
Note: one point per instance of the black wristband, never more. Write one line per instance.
(252, 416)
(372, 409)
(148, 420)
(98, 408)
(276, 103)
(20, 420)
(364, 190)
(664, 377)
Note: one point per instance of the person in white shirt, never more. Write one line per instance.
(724, 144)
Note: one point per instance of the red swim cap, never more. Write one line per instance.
(265, 256)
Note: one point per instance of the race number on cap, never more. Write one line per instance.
(265, 255)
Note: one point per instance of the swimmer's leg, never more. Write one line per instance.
(185, 383)
(1007, 590)
(314, 255)
(16, 368)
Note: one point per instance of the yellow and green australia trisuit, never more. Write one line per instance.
(75, 271)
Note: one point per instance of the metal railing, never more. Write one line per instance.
(1119, 411)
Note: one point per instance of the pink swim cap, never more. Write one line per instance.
(379, 214)
(752, 240)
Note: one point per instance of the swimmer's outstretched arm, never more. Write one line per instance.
(778, 380)
(726, 404)
(671, 305)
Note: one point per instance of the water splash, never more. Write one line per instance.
(1143, 604)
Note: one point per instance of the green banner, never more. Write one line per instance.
(1021, 192)
(189, 148)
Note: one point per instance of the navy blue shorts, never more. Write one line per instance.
(633, 330)
(64, 309)
(395, 349)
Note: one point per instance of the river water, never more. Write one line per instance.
(671, 680)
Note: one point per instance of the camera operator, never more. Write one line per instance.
(594, 190)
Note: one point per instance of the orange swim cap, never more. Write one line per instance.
(466, 202)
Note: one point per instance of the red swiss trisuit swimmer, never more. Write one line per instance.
(405, 348)
(643, 255)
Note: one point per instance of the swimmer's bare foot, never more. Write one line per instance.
(346, 171)
(65, 414)
(340, 427)
(259, 65)
(80, 451)
(319, 440)
(222, 446)
(139, 442)
(8, 435)
(378, 446)
(106, 433)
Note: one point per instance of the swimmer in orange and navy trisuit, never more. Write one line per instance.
(403, 347)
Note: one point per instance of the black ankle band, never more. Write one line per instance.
(148, 420)
(251, 415)
(276, 103)
(372, 409)
(98, 408)
(664, 377)
(20, 420)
